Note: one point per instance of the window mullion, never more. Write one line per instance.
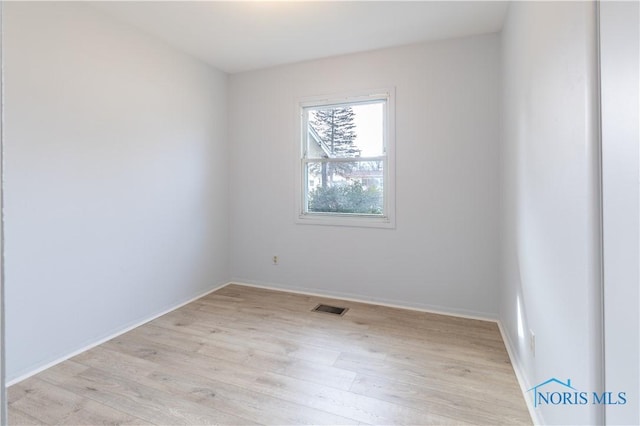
(345, 160)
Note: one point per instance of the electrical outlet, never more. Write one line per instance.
(275, 259)
(532, 342)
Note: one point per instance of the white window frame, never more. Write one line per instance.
(387, 219)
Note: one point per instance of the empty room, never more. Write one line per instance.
(300, 212)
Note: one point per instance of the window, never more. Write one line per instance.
(346, 160)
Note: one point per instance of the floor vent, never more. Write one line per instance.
(330, 309)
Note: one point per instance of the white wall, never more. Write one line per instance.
(443, 252)
(620, 71)
(3, 402)
(116, 179)
(550, 192)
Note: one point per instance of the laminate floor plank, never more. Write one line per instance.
(49, 404)
(198, 388)
(244, 355)
(303, 392)
(226, 340)
(449, 377)
(470, 409)
(17, 417)
(148, 403)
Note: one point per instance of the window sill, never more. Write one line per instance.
(359, 221)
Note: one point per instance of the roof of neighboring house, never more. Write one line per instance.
(315, 137)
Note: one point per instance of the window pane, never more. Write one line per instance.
(345, 187)
(346, 131)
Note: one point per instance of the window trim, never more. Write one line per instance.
(387, 220)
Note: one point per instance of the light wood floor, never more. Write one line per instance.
(244, 356)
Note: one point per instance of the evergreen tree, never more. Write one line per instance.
(336, 128)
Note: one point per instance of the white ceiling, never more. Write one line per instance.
(242, 36)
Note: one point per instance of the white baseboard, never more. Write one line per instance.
(110, 336)
(372, 300)
(536, 417)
